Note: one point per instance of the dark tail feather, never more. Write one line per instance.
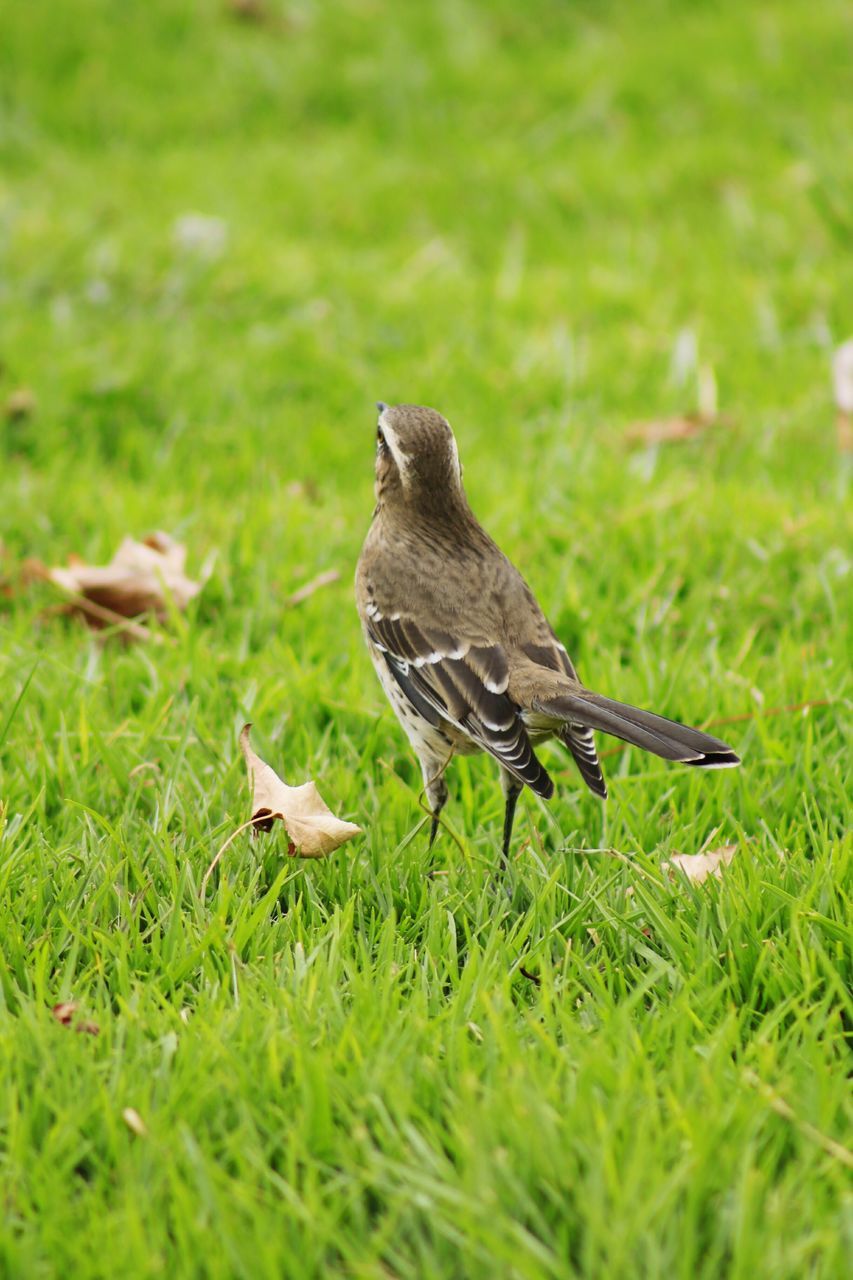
(666, 738)
(581, 743)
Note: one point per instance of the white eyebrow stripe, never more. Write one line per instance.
(393, 443)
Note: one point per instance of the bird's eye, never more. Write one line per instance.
(380, 440)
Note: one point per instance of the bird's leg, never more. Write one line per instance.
(436, 791)
(512, 789)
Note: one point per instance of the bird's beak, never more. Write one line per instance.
(381, 406)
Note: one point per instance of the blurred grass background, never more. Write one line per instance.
(224, 233)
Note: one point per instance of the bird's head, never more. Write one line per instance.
(417, 462)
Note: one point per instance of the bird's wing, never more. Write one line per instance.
(455, 679)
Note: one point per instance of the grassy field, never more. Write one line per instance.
(550, 221)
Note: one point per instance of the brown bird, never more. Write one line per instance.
(465, 654)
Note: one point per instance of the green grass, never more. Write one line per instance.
(548, 221)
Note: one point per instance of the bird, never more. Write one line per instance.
(462, 649)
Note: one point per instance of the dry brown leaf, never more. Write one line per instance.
(134, 1121)
(698, 866)
(142, 577)
(666, 430)
(322, 580)
(66, 1013)
(313, 829)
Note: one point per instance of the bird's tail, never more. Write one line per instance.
(666, 738)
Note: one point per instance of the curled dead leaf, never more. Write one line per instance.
(142, 578)
(312, 828)
(66, 1013)
(698, 866)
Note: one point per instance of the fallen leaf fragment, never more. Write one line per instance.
(142, 578)
(322, 580)
(134, 1121)
(66, 1013)
(667, 430)
(698, 866)
(313, 829)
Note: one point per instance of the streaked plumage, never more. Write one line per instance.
(465, 654)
